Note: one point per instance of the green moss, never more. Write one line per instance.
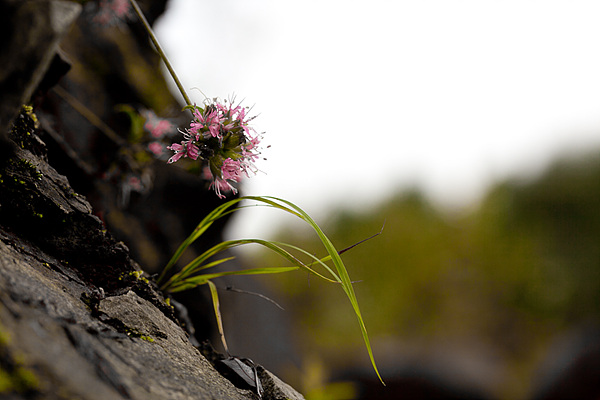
(24, 126)
(4, 338)
(137, 275)
(92, 302)
(69, 192)
(15, 377)
(19, 380)
(31, 169)
(28, 110)
(131, 332)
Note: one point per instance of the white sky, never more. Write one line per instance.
(361, 98)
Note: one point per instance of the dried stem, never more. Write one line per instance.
(160, 51)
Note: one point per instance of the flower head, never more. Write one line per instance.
(231, 170)
(156, 148)
(209, 122)
(187, 148)
(157, 127)
(220, 134)
(111, 12)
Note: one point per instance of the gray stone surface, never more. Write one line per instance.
(74, 322)
(275, 388)
(74, 354)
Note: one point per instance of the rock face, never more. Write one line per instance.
(71, 343)
(35, 29)
(71, 313)
(78, 319)
(38, 203)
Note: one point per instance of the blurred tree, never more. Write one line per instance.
(508, 276)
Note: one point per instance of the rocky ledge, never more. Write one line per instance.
(77, 317)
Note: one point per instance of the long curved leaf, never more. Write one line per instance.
(187, 279)
(205, 278)
(343, 275)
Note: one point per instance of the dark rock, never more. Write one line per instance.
(275, 388)
(571, 370)
(88, 142)
(78, 319)
(39, 203)
(72, 354)
(244, 373)
(31, 31)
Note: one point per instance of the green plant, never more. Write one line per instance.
(220, 135)
(193, 275)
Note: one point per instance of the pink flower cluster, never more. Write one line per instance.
(112, 12)
(158, 128)
(221, 135)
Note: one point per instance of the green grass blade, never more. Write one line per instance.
(206, 222)
(315, 259)
(205, 278)
(182, 280)
(343, 275)
(219, 212)
(196, 265)
(215, 299)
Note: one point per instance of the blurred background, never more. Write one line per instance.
(471, 129)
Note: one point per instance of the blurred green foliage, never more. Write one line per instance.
(509, 275)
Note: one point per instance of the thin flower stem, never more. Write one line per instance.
(160, 51)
